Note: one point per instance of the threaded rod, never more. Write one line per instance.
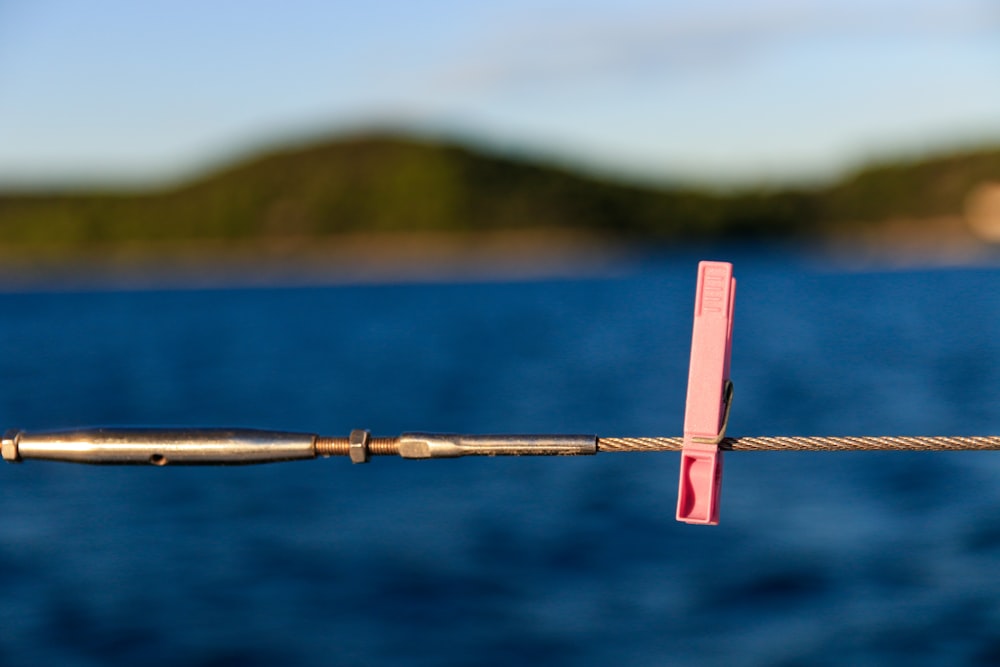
(341, 446)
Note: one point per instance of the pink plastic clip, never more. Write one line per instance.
(708, 396)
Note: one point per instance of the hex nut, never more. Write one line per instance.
(359, 441)
(8, 448)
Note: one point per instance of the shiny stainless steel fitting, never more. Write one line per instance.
(359, 441)
(8, 448)
(439, 445)
(161, 447)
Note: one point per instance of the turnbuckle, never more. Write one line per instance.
(160, 447)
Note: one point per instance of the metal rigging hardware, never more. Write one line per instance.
(710, 394)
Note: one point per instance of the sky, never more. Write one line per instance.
(751, 91)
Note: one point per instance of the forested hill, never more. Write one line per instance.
(384, 183)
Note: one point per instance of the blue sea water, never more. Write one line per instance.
(821, 558)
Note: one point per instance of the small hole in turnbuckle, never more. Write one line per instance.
(158, 460)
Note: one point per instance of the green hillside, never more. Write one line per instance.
(921, 189)
(383, 183)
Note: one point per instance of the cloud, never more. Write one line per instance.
(538, 51)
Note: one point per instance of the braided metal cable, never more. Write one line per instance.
(811, 443)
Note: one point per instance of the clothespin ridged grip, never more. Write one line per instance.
(708, 395)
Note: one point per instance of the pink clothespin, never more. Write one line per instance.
(709, 395)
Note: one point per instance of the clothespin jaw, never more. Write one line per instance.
(709, 395)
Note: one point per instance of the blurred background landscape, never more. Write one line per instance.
(487, 217)
(383, 201)
(168, 140)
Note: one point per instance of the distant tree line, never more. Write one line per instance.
(385, 183)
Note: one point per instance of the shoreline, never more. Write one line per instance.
(405, 258)
(909, 244)
(355, 259)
